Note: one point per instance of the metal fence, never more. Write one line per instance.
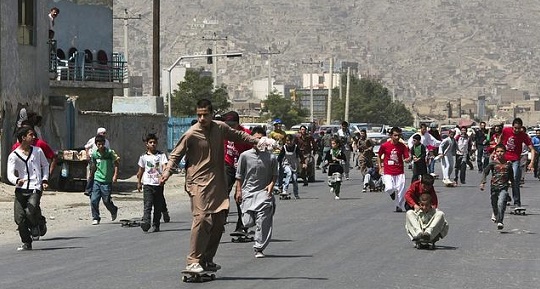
(176, 127)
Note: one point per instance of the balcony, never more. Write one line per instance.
(79, 71)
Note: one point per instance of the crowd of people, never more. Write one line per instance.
(221, 156)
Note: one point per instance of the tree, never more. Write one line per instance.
(370, 101)
(276, 106)
(197, 86)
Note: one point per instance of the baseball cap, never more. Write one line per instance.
(101, 130)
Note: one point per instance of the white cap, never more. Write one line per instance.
(101, 130)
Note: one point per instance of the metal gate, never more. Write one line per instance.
(176, 127)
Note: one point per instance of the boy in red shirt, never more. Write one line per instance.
(513, 138)
(393, 174)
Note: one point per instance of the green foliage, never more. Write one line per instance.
(195, 87)
(276, 106)
(371, 102)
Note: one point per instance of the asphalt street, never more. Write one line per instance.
(318, 242)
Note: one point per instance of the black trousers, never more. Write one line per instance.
(27, 212)
(153, 197)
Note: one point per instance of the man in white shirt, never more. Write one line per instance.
(28, 170)
(425, 138)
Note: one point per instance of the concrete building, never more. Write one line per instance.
(23, 65)
(320, 80)
(69, 79)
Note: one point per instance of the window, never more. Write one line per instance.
(88, 56)
(26, 29)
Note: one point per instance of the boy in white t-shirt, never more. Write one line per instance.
(151, 165)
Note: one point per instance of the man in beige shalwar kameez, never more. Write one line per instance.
(205, 183)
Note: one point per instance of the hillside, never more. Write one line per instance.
(421, 48)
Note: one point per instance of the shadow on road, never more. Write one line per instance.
(62, 238)
(288, 256)
(439, 247)
(56, 248)
(232, 278)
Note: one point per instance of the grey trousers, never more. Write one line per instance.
(263, 220)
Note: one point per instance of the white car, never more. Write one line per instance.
(378, 139)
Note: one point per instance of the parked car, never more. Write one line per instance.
(333, 127)
(378, 139)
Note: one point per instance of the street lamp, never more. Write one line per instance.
(311, 62)
(228, 55)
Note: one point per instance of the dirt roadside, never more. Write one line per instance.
(69, 210)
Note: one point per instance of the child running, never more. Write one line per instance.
(334, 158)
(502, 173)
(290, 159)
(256, 175)
(151, 165)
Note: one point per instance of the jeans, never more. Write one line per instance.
(26, 212)
(480, 157)
(153, 197)
(516, 194)
(461, 168)
(290, 176)
(535, 165)
(498, 203)
(101, 191)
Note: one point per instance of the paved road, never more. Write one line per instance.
(356, 242)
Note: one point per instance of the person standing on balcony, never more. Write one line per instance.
(52, 16)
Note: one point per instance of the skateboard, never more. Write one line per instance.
(519, 211)
(192, 277)
(450, 185)
(135, 222)
(424, 245)
(239, 237)
(284, 196)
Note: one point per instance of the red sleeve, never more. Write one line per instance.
(434, 200)
(49, 153)
(526, 139)
(15, 146)
(410, 194)
(381, 150)
(405, 151)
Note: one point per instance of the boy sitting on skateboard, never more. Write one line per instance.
(501, 176)
(424, 223)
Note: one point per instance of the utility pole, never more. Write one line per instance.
(215, 38)
(269, 53)
(330, 87)
(155, 49)
(126, 17)
(347, 94)
(311, 62)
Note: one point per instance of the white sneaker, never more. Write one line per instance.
(500, 226)
(95, 222)
(336, 198)
(259, 254)
(195, 268)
